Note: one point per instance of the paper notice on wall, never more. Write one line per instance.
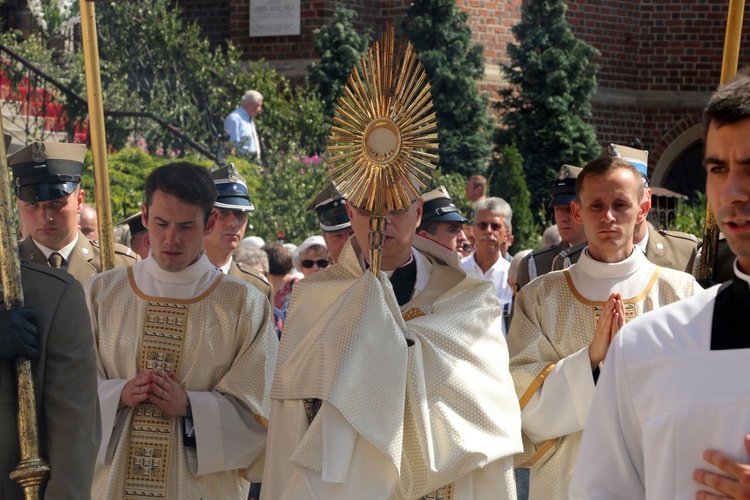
(274, 17)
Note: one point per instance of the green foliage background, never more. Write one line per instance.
(509, 183)
(442, 38)
(552, 76)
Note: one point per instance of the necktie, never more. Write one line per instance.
(55, 260)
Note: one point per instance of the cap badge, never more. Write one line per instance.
(233, 174)
(38, 152)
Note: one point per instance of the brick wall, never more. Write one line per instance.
(660, 59)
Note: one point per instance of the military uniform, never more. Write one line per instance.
(84, 260)
(249, 275)
(65, 385)
(537, 263)
(724, 267)
(671, 249)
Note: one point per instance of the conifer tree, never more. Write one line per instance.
(454, 65)
(509, 183)
(551, 77)
(340, 47)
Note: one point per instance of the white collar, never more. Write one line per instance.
(225, 268)
(643, 244)
(64, 251)
(616, 270)
(190, 274)
(740, 274)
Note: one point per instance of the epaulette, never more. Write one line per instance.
(540, 251)
(252, 272)
(678, 234)
(572, 250)
(120, 249)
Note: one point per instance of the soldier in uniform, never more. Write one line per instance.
(672, 249)
(139, 241)
(441, 220)
(54, 331)
(233, 205)
(333, 220)
(47, 178)
(539, 261)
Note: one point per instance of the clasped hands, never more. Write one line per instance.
(158, 386)
(609, 323)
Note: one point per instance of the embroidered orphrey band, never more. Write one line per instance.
(152, 430)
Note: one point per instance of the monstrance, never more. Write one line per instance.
(383, 143)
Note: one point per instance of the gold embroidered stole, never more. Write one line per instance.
(151, 429)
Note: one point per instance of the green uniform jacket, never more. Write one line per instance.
(537, 263)
(65, 386)
(84, 261)
(249, 275)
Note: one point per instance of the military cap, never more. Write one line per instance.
(231, 189)
(331, 210)
(439, 207)
(636, 157)
(564, 189)
(135, 223)
(45, 171)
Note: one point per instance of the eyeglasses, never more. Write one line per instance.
(467, 247)
(494, 226)
(322, 263)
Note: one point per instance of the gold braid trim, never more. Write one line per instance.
(535, 385)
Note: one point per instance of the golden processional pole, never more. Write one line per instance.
(32, 471)
(729, 65)
(98, 136)
(383, 143)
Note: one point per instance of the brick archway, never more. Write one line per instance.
(673, 144)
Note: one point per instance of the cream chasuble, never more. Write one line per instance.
(215, 334)
(553, 325)
(414, 399)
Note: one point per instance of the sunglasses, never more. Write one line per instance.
(495, 226)
(322, 263)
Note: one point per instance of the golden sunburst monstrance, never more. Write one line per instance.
(383, 143)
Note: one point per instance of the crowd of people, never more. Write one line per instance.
(208, 361)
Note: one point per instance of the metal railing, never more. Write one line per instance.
(36, 106)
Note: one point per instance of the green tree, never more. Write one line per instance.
(442, 38)
(509, 183)
(340, 47)
(551, 76)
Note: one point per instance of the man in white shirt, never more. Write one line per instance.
(673, 403)
(185, 357)
(492, 227)
(240, 124)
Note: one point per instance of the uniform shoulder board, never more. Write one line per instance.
(678, 234)
(572, 250)
(540, 251)
(125, 251)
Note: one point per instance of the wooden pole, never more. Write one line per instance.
(98, 136)
(32, 471)
(729, 65)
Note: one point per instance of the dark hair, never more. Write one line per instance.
(430, 226)
(186, 181)
(729, 104)
(279, 259)
(604, 165)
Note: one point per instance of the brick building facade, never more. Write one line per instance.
(661, 59)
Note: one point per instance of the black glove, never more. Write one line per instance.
(18, 334)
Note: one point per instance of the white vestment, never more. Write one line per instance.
(552, 327)
(414, 398)
(663, 398)
(227, 358)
